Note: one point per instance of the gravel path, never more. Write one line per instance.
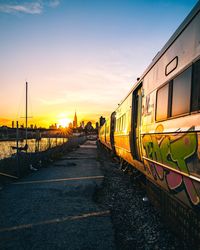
(136, 223)
(53, 208)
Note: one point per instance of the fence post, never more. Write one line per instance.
(17, 142)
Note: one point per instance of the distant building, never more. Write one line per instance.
(13, 124)
(75, 121)
(70, 125)
(53, 126)
(82, 124)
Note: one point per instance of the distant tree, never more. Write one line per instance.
(102, 121)
(88, 128)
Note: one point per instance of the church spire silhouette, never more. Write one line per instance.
(75, 121)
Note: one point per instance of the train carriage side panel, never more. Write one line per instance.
(123, 132)
(123, 128)
(107, 133)
(112, 130)
(102, 134)
(170, 131)
(158, 124)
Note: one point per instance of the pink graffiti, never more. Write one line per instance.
(191, 190)
(174, 180)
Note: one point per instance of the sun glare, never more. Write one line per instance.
(64, 122)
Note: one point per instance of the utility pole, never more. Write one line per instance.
(17, 142)
(26, 115)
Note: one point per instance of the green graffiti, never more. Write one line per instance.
(152, 148)
(183, 148)
(166, 152)
(173, 150)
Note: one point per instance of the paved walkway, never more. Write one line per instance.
(54, 209)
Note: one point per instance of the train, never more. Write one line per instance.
(156, 128)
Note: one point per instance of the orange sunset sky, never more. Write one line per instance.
(81, 56)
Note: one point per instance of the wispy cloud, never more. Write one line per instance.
(28, 8)
(35, 7)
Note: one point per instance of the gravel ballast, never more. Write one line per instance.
(137, 224)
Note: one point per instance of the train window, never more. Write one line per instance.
(117, 125)
(181, 93)
(195, 102)
(124, 125)
(162, 103)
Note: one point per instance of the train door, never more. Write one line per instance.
(112, 130)
(136, 123)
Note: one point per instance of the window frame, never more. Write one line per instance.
(164, 85)
(171, 104)
(192, 90)
(171, 82)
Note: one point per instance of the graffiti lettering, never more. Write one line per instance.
(172, 150)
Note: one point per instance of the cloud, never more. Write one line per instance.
(54, 3)
(28, 8)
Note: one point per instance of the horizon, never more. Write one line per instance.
(78, 57)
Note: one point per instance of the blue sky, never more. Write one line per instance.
(82, 55)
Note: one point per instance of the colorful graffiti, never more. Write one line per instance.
(172, 150)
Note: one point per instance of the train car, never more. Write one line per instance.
(102, 135)
(157, 125)
(170, 118)
(123, 134)
(106, 132)
(156, 128)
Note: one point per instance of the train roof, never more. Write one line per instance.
(176, 34)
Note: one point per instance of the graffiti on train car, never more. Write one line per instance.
(173, 150)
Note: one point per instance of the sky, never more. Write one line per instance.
(78, 55)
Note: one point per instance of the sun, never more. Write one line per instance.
(63, 122)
